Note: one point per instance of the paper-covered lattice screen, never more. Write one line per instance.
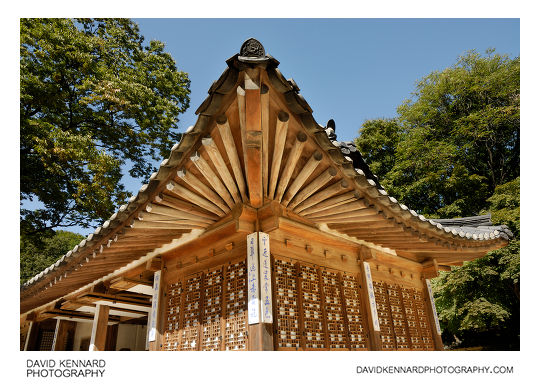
(403, 317)
(316, 308)
(207, 310)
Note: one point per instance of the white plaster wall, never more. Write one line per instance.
(131, 336)
(82, 331)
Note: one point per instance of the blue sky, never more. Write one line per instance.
(349, 70)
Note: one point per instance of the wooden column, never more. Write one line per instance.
(31, 336)
(261, 337)
(374, 336)
(432, 316)
(55, 338)
(254, 173)
(64, 329)
(99, 328)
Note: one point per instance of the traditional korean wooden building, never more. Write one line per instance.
(261, 231)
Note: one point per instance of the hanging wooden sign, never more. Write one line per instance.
(371, 296)
(154, 311)
(430, 293)
(254, 305)
(265, 277)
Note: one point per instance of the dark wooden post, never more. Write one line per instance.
(99, 328)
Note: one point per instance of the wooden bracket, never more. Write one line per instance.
(430, 269)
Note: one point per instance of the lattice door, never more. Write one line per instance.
(207, 311)
(190, 332)
(311, 307)
(403, 317)
(236, 307)
(355, 315)
(423, 322)
(398, 316)
(385, 315)
(286, 317)
(212, 310)
(316, 308)
(173, 321)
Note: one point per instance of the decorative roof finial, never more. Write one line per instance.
(252, 48)
(331, 130)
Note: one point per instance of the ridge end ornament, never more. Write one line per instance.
(252, 48)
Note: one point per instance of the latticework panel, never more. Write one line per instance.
(311, 307)
(235, 307)
(46, 340)
(212, 306)
(173, 323)
(423, 321)
(412, 319)
(398, 316)
(286, 309)
(385, 315)
(355, 316)
(335, 322)
(191, 310)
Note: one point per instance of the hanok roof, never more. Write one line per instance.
(311, 174)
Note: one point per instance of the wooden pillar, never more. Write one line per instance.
(254, 170)
(99, 328)
(261, 337)
(55, 338)
(31, 336)
(372, 324)
(432, 316)
(63, 333)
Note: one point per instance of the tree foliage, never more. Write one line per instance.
(455, 140)
(38, 255)
(94, 98)
(453, 151)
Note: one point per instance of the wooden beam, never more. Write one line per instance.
(282, 125)
(158, 225)
(359, 207)
(214, 154)
(174, 213)
(265, 126)
(332, 202)
(232, 154)
(99, 328)
(212, 178)
(173, 202)
(290, 165)
(241, 99)
(304, 174)
(185, 193)
(253, 139)
(317, 183)
(327, 192)
(203, 189)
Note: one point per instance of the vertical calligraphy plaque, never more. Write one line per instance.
(152, 316)
(265, 277)
(254, 304)
(436, 317)
(371, 296)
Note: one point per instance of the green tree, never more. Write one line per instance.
(453, 151)
(481, 298)
(38, 255)
(458, 137)
(94, 98)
